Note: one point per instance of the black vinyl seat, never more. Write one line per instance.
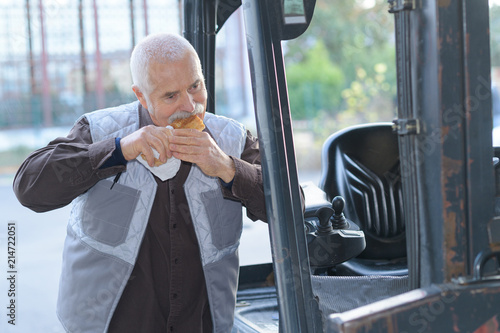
(361, 163)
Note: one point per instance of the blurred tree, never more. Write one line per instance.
(356, 34)
(369, 97)
(358, 37)
(314, 84)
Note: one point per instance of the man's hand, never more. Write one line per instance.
(143, 140)
(198, 147)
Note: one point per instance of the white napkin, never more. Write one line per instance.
(164, 171)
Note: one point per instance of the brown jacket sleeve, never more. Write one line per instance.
(247, 184)
(53, 176)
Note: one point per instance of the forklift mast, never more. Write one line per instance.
(444, 125)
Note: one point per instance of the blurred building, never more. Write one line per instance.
(61, 58)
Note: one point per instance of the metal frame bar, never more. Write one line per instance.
(444, 308)
(199, 29)
(478, 117)
(404, 60)
(298, 309)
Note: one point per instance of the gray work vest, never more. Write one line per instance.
(106, 227)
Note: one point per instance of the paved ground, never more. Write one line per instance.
(39, 242)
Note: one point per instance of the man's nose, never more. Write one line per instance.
(188, 103)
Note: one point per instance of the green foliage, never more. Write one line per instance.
(369, 98)
(355, 36)
(313, 84)
(350, 43)
(366, 92)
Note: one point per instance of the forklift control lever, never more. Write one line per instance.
(333, 239)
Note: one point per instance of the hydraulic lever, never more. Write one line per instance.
(334, 238)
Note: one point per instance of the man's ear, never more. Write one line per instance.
(140, 96)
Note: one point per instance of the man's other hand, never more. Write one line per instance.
(143, 140)
(199, 148)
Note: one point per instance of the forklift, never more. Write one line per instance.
(402, 234)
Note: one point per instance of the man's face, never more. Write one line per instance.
(178, 91)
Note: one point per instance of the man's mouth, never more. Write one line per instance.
(198, 109)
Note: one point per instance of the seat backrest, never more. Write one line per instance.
(361, 163)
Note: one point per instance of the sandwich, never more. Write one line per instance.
(190, 122)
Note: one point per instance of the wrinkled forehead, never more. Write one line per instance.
(185, 71)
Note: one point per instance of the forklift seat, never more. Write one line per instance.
(361, 163)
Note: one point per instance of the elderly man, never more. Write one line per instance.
(144, 254)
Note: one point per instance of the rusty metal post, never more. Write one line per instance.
(444, 82)
(99, 88)
(46, 99)
(447, 159)
(145, 6)
(478, 118)
(83, 58)
(30, 48)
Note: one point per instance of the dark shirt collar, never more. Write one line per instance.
(144, 117)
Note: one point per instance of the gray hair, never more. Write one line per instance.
(159, 48)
